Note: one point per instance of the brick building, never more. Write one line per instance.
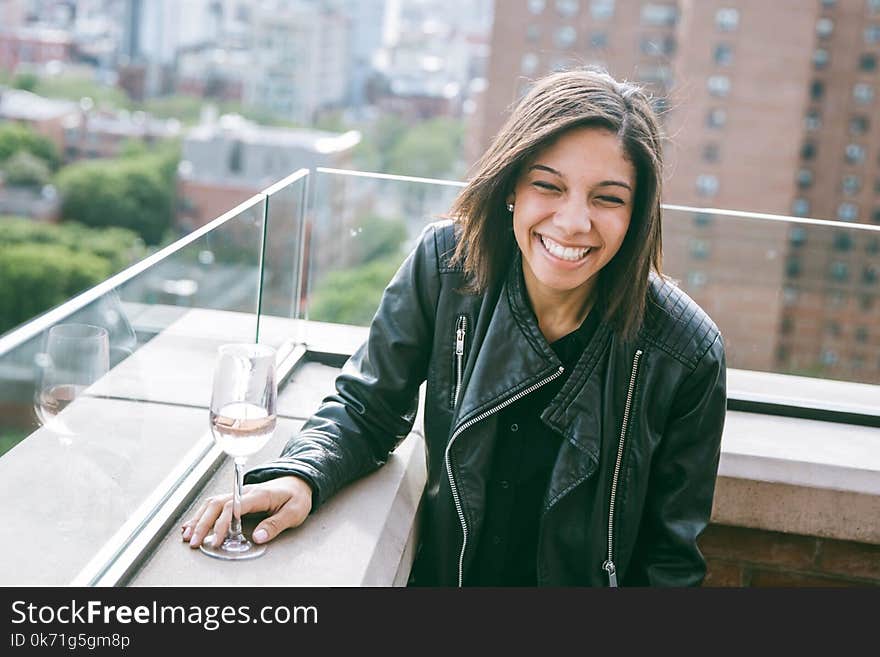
(768, 107)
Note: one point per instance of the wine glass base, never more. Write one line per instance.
(232, 549)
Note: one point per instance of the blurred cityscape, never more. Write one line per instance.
(150, 118)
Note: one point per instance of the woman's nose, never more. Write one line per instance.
(574, 217)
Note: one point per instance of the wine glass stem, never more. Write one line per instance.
(235, 526)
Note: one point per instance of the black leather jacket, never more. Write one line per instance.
(633, 483)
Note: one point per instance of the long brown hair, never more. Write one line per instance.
(557, 103)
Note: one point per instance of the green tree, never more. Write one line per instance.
(24, 169)
(135, 193)
(379, 238)
(431, 149)
(37, 277)
(42, 265)
(15, 138)
(75, 86)
(25, 81)
(351, 296)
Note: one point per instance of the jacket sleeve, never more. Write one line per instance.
(682, 480)
(375, 403)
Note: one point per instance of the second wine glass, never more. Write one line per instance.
(242, 418)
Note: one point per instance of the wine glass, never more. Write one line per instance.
(74, 356)
(242, 420)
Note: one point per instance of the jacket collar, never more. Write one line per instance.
(513, 355)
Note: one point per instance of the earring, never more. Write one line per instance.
(510, 207)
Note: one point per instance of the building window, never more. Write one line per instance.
(797, 236)
(851, 185)
(707, 185)
(820, 58)
(859, 125)
(537, 6)
(659, 15)
(711, 152)
(727, 19)
(817, 89)
(869, 275)
(718, 85)
(716, 118)
(602, 9)
(828, 357)
(529, 63)
(847, 211)
(854, 153)
(702, 219)
(533, 33)
(872, 34)
(839, 271)
(828, 4)
(567, 8)
(800, 207)
(599, 40)
(565, 37)
(861, 334)
(873, 246)
(863, 93)
(868, 62)
(657, 45)
(813, 120)
(832, 328)
(235, 157)
(699, 249)
(808, 150)
(696, 279)
(723, 54)
(824, 28)
(805, 178)
(875, 216)
(873, 7)
(793, 267)
(842, 241)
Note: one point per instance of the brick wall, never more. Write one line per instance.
(738, 556)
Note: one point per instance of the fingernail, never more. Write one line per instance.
(193, 542)
(261, 535)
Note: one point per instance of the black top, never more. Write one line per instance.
(522, 462)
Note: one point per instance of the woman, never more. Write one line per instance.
(575, 397)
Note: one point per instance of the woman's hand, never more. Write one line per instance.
(287, 500)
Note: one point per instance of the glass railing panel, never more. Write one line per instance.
(282, 262)
(105, 396)
(359, 230)
(794, 297)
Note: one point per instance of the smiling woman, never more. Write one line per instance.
(575, 396)
(572, 208)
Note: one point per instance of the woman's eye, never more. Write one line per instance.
(545, 185)
(611, 200)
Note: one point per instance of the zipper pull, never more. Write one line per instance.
(612, 573)
(459, 342)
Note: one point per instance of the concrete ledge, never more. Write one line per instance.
(799, 476)
(361, 537)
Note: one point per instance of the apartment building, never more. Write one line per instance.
(768, 108)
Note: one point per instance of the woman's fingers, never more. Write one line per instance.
(212, 509)
(295, 499)
(287, 499)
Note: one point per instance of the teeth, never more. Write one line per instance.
(562, 252)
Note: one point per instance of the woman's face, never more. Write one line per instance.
(572, 208)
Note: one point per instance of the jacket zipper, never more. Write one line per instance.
(609, 566)
(460, 333)
(469, 423)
